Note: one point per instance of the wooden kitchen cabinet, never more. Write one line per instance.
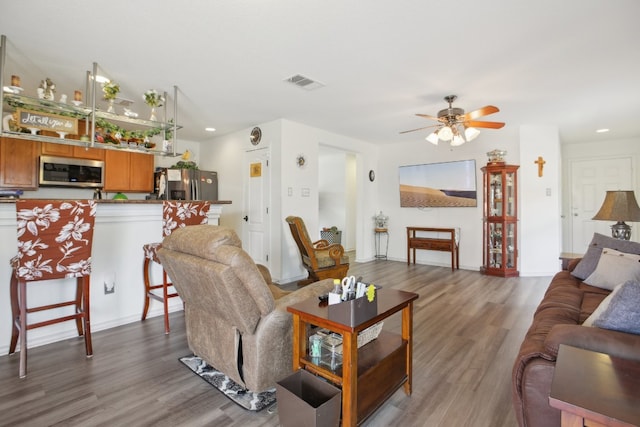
(59, 150)
(141, 173)
(128, 172)
(88, 153)
(19, 163)
(75, 151)
(117, 170)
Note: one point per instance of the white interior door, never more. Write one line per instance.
(255, 230)
(590, 180)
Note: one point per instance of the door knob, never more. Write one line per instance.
(246, 218)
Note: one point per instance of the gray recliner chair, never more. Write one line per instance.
(236, 319)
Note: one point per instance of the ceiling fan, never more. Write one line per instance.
(456, 125)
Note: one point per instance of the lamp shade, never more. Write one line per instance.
(619, 206)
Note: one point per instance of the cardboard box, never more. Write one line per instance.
(305, 400)
(354, 312)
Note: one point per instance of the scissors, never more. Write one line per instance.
(348, 287)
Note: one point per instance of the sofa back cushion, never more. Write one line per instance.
(613, 268)
(589, 261)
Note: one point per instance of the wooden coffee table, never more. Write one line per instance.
(595, 389)
(379, 367)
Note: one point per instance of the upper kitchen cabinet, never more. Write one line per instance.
(102, 118)
(19, 163)
(128, 172)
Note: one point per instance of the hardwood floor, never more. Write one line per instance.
(467, 331)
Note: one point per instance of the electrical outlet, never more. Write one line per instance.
(109, 282)
(290, 191)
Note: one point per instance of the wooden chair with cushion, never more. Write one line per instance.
(321, 259)
(54, 242)
(175, 214)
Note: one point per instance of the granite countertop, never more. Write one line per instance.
(127, 202)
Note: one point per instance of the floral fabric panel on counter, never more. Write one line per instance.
(54, 238)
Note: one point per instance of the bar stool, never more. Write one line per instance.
(54, 242)
(174, 214)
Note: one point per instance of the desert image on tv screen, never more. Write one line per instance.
(448, 184)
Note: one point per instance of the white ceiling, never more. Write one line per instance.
(574, 64)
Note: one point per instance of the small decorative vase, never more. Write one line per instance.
(153, 117)
(111, 108)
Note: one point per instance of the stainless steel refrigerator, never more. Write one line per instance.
(186, 184)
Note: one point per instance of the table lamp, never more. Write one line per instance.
(619, 206)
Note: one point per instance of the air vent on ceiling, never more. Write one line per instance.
(304, 82)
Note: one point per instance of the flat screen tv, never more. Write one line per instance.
(447, 184)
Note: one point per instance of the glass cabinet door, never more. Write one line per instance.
(510, 242)
(495, 194)
(509, 194)
(495, 245)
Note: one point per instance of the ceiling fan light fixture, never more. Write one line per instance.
(432, 138)
(457, 140)
(471, 133)
(445, 133)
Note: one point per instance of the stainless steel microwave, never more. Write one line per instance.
(70, 172)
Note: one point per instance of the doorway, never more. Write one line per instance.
(256, 227)
(590, 180)
(337, 193)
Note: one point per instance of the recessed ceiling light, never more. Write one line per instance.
(603, 130)
(210, 129)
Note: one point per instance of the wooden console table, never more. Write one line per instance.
(433, 243)
(595, 389)
(377, 369)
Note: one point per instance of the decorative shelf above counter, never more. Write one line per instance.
(39, 117)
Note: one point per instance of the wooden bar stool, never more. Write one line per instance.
(54, 242)
(174, 214)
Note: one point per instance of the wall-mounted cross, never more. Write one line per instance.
(540, 162)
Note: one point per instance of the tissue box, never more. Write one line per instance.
(354, 312)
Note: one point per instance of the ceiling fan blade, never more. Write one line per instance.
(413, 130)
(484, 111)
(479, 124)
(427, 116)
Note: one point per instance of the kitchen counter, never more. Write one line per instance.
(122, 227)
(125, 202)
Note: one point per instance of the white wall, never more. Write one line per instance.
(287, 140)
(469, 220)
(540, 235)
(540, 223)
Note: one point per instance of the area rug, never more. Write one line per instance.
(240, 395)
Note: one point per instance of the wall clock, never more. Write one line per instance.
(255, 136)
(372, 175)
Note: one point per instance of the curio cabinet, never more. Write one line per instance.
(500, 220)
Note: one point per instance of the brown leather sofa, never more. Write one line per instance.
(236, 319)
(558, 320)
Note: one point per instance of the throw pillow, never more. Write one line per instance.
(604, 304)
(623, 312)
(613, 268)
(588, 263)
